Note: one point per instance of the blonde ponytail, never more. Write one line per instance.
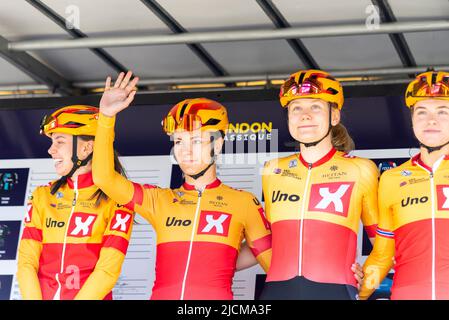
(341, 140)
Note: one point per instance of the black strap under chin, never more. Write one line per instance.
(432, 149)
(77, 163)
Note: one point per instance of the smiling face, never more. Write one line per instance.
(192, 150)
(61, 151)
(430, 120)
(308, 119)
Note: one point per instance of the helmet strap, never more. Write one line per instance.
(432, 149)
(77, 163)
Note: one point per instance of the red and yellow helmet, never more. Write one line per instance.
(311, 84)
(194, 114)
(76, 120)
(428, 85)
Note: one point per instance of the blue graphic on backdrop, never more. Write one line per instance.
(9, 239)
(13, 184)
(8, 181)
(386, 165)
(5, 286)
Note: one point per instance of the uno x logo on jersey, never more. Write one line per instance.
(121, 221)
(214, 223)
(29, 213)
(443, 197)
(81, 224)
(331, 197)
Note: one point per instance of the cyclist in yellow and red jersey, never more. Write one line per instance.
(75, 237)
(315, 200)
(414, 203)
(200, 225)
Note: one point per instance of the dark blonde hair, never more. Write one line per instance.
(341, 140)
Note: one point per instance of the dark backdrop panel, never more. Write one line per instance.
(373, 122)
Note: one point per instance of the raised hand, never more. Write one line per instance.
(120, 96)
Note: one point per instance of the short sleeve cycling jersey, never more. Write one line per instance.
(70, 248)
(413, 228)
(199, 233)
(315, 210)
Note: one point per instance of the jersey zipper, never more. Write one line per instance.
(433, 209)
(57, 295)
(200, 193)
(301, 225)
(432, 196)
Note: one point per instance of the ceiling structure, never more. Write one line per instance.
(68, 47)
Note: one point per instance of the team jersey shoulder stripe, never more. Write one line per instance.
(264, 218)
(116, 242)
(371, 230)
(32, 234)
(137, 197)
(261, 245)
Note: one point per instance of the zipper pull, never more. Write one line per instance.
(75, 190)
(310, 166)
(200, 192)
(431, 175)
